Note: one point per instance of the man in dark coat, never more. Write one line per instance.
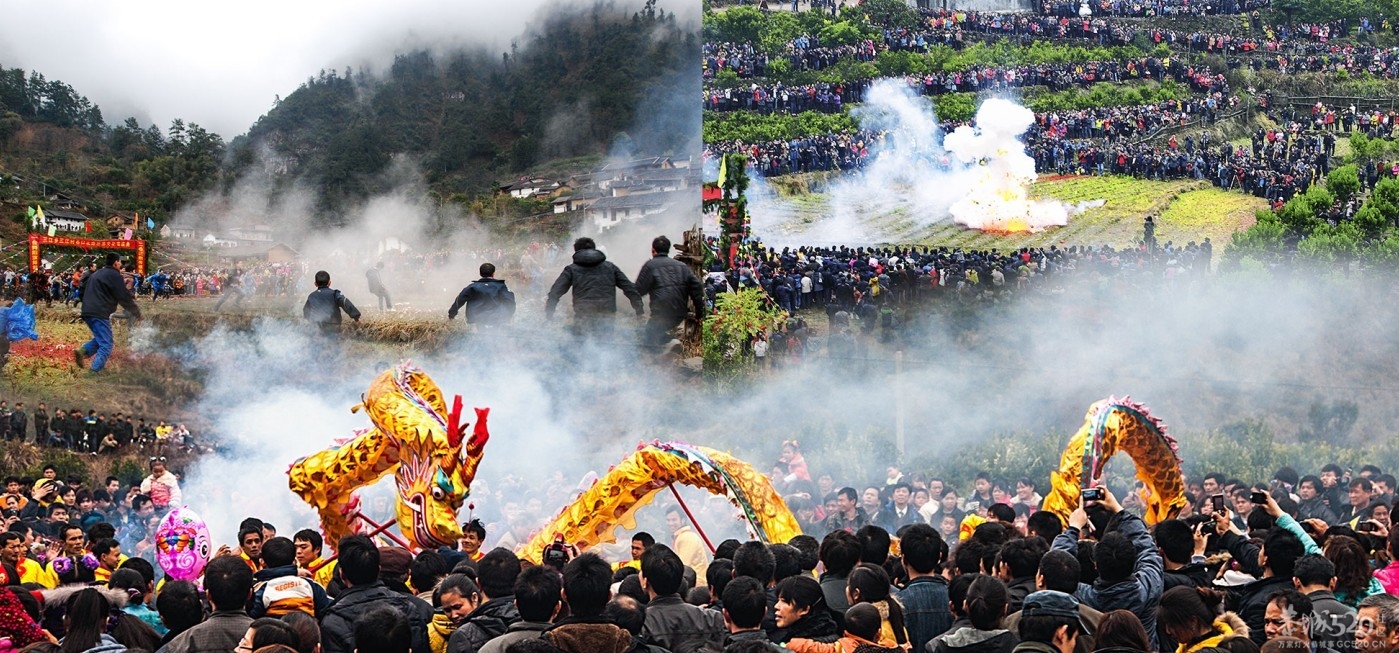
(1130, 573)
(103, 291)
(672, 286)
(1272, 564)
(376, 286)
(594, 281)
(323, 306)
(496, 575)
(487, 300)
(359, 569)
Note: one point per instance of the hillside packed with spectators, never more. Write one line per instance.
(849, 151)
(951, 28)
(903, 562)
(1150, 8)
(831, 97)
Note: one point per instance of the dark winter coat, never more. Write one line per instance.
(971, 640)
(1138, 593)
(488, 621)
(487, 301)
(323, 307)
(338, 624)
(681, 627)
(104, 291)
(671, 285)
(594, 281)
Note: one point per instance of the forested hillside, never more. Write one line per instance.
(54, 138)
(583, 83)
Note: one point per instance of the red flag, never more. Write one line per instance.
(88, 225)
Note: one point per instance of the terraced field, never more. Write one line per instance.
(1186, 210)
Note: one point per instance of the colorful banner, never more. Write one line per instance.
(37, 241)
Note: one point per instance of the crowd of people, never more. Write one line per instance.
(828, 97)
(848, 151)
(868, 292)
(950, 28)
(909, 562)
(1149, 8)
(91, 432)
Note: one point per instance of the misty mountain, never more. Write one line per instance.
(585, 82)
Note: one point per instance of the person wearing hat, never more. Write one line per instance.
(1049, 623)
(394, 564)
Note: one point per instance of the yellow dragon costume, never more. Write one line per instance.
(414, 437)
(1114, 425)
(613, 500)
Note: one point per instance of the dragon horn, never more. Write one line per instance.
(454, 425)
(471, 454)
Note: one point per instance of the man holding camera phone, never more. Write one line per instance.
(1130, 572)
(1272, 564)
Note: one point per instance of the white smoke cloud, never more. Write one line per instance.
(997, 197)
(980, 177)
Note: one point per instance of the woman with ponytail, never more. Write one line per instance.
(133, 584)
(1195, 617)
(983, 608)
(870, 584)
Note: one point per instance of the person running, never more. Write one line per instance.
(324, 304)
(103, 291)
(376, 286)
(488, 302)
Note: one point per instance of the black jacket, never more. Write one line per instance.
(1251, 601)
(323, 306)
(680, 627)
(487, 301)
(104, 291)
(751, 636)
(594, 281)
(971, 640)
(338, 624)
(671, 285)
(1193, 575)
(488, 621)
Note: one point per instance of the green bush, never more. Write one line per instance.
(757, 128)
(1343, 182)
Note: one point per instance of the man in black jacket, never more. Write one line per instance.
(323, 306)
(495, 575)
(103, 291)
(594, 281)
(670, 622)
(671, 285)
(359, 569)
(488, 302)
(1272, 565)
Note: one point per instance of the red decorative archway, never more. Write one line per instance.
(36, 241)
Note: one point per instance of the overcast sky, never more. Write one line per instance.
(220, 63)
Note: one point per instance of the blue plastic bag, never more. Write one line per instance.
(19, 322)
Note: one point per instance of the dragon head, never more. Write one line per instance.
(436, 463)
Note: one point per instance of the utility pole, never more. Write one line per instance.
(899, 403)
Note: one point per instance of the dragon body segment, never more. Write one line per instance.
(1114, 425)
(613, 500)
(415, 438)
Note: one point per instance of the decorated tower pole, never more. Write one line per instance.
(734, 228)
